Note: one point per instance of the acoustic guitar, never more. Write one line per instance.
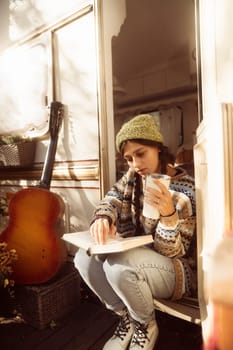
(35, 215)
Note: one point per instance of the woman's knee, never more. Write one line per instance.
(81, 260)
(118, 274)
(77, 258)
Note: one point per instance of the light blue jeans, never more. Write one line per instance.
(130, 279)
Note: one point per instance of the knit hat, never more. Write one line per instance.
(142, 126)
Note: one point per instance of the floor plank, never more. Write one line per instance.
(89, 326)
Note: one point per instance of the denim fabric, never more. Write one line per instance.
(132, 279)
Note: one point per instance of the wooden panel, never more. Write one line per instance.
(186, 309)
(228, 163)
(78, 171)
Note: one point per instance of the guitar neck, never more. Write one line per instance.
(46, 176)
(56, 116)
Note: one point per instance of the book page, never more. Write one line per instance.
(84, 240)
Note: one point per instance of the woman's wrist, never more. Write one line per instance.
(101, 217)
(167, 216)
(170, 220)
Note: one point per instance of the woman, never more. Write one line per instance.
(128, 282)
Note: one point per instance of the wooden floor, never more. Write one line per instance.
(89, 326)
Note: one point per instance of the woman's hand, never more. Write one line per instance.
(160, 198)
(100, 230)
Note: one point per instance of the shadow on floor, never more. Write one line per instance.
(89, 326)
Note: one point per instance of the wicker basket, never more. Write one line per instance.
(47, 302)
(18, 154)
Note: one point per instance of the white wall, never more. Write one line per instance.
(113, 15)
(71, 75)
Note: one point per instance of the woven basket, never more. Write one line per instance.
(48, 302)
(18, 154)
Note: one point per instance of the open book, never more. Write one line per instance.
(113, 245)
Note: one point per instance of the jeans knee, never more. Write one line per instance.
(76, 259)
(118, 275)
(81, 260)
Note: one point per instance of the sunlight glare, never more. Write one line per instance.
(23, 72)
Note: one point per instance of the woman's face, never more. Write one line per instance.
(143, 159)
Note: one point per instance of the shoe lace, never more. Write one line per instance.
(140, 334)
(123, 326)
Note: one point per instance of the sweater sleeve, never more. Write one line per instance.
(110, 206)
(174, 234)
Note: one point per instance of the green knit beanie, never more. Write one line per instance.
(142, 126)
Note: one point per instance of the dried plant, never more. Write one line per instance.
(7, 257)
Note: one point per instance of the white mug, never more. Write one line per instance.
(149, 210)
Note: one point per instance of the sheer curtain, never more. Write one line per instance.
(171, 127)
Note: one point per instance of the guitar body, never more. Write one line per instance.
(34, 217)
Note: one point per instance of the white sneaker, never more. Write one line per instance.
(145, 336)
(123, 333)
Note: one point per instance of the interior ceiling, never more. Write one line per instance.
(154, 32)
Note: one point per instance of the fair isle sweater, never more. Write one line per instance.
(174, 236)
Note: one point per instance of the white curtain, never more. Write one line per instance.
(171, 127)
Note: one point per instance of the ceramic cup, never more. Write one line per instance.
(149, 210)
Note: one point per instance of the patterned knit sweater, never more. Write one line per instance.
(174, 236)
